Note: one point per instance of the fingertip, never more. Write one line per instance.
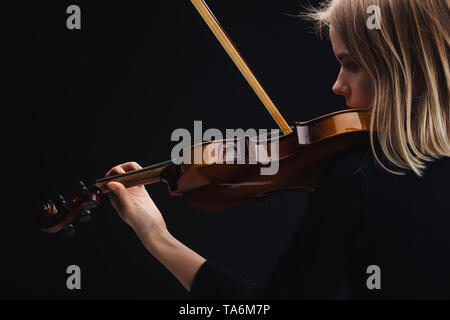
(117, 170)
(116, 185)
(113, 186)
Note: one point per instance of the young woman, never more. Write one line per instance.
(385, 207)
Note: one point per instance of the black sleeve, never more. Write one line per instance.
(314, 264)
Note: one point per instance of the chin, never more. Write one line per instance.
(355, 106)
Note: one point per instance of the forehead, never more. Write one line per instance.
(337, 42)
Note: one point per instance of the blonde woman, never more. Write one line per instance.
(379, 218)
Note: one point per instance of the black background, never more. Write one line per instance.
(113, 92)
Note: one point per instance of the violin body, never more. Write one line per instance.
(302, 155)
(213, 185)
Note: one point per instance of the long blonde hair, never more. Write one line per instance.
(407, 60)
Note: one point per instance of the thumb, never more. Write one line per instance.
(120, 192)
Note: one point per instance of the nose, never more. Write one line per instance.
(341, 88)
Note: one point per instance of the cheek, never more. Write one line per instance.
(362, 90)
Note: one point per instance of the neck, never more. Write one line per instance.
(147, 175)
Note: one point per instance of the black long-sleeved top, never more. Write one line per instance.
(358, 216)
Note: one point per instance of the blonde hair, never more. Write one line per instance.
(407, 60)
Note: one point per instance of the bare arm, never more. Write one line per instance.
(181, 261)
(138, 210)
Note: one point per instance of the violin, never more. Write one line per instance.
(211, 185)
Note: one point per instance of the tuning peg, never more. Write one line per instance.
(69, 230)
(84, 189)
(86, 216)
(45, 208)
(63, 203)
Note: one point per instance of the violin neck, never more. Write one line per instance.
(147, 175)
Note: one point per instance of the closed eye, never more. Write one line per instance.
(350, 66)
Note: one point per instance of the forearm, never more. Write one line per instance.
(181, 261)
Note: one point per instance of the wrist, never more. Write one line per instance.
(155, 240)
(148, 230)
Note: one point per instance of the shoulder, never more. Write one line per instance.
(349, 165)
(343, 175)
(358, 168)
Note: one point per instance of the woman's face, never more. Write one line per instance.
(352, 82)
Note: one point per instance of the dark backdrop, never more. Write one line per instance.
(113, 92)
